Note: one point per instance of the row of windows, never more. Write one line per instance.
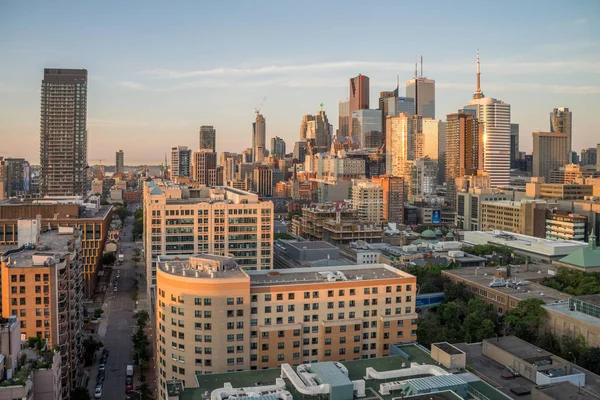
(331, 293)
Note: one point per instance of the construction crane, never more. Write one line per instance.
(100, 161)
(257, 109)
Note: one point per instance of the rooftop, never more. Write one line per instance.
(517, 283)
(563, 308)
(518, 347)
(566, 391)
(356, 371)
(308, 245)
(448, 348)
(524, 242)
(51, 243)
(586, 257)
(312, 275)
(204, 266)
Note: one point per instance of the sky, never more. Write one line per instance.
(159, 70)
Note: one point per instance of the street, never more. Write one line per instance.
(117, 325)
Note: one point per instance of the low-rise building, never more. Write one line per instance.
(537, 189)
(505, 288)
(213, 316)
(565, 225)
(536, 249)
(524, 217)
(586, 258)
(577, 316)
(469, 203)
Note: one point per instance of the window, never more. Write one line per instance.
(279, 296)
(229, 349)
(267, 297)
(330, 293)
(341, 292)
(268, 309)
(367, 290)
(290, 296)
(240, 300)
(291, 307)
(307, 295)
(230, 301)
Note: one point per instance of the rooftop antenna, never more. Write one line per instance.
(421, 66)
(416, 70)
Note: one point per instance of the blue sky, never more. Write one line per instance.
(159, 70)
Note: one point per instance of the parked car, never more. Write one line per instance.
(98, 392)
(102, 367)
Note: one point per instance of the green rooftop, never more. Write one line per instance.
(356, 371)
(586, 257)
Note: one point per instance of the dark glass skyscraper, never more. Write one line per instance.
(359, 96)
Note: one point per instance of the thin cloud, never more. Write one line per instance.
(133, 85)
(580, 21)
(492, 87)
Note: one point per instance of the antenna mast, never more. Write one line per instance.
(421, 66)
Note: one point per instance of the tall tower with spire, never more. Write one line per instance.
(478, 93)
(494, 133)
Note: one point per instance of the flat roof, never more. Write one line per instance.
(566, 391)
(448, 348)
(356, 371)
(590, 299)
(563, 308)
(182, 266)
(518, 347)
(54, 243)
(312, 275)
(485, 275)
(523, 242)
(309, 245)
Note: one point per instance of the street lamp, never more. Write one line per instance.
(574, 359)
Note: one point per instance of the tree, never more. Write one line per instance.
(456, 291)
(80, 393)
(590, 360)
(90, 347)
(573, 346)
(121, 211)
(145, 391)
(109, 258)
(98, 313)
(525, 321)
(142, 318)
(486, 330)
(36, 342)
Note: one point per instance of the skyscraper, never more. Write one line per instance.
(589, 156)
(514, 145)
(208, 138)
(63, 133)
(494, 117)
(119, 161)
(397, 105)
(318, 129)
(359, 96)
(204, 161)
(462, 149)
(181, 158)
(423, 91)
(366, 126)
(259, 132)
(277, 147)
(561, 122)
(344, 118)
(400, 138)
(549, 152)
(432, 129)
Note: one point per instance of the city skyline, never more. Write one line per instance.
(160, 95)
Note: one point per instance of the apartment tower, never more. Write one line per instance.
(119, 161)
(259, 131)
(204, 161)
(277, 147)
(181, 162)
(344, 118)
(63, 132)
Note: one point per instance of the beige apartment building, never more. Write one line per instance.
(538, 189)
(213, 220)
(367, 198)
(213, 316)
(43, 287)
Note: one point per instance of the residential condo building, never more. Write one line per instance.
(214, 317)
(63, 132)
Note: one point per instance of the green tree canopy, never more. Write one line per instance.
(525, 320)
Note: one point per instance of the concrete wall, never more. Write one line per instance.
(450, 361)
(561, 324)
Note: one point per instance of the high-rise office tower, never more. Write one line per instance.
(432, 129)
(366, 126)
(4, 183)
(181, 158)
(119, 161)
(589, 156)
(208, 138)
(462, 149)
(494, 117)
(259, 132)
(383, 107)
(344, 118)
(514, 145)
(393, 197)
(549, 153)
(277, 147)
(263, 181)
(318, 129)
(18, 176)
(359, 96)
(400, 138)
(561, 122)
(63, 133)
(423, 91)
(204, 161)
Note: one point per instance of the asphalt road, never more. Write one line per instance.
(118, 324)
